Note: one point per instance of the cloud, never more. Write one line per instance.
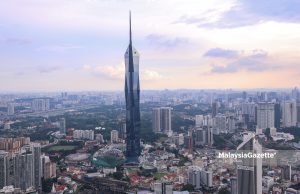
(49, 69)
(58, 48)
(255, 61)
(250, 12)
(118, 72)
(150, 75)
(221, 53)
(17, 41)
(164, 41)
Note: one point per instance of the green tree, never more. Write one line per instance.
(188, 187)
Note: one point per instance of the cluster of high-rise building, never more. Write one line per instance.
(162, 120)
(83, 134)
(199, 177)
(22, 169)
(48, 167)
(13, 144)
(41, 104)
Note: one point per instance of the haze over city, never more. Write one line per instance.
(79, 45)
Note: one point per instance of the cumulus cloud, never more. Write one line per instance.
(118, 72)
(250, 12)
(221, 53)
(254, 61)
(164, 41)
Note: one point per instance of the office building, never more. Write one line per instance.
(249, 170)
(249, 110)
(62, 126)
(233, 185)
(161, 120)
(214, 107)
(41, 104)
(277, 115)
(298, 114)
(163, 188)
(156, 126)
(36, 150)
(114, 136)
(132, 98)
(203, 136)
(10, 109)
(22, 169)
(199, 177)
(99, 138)
(289, 113)
(4, 162)
(83, 134)
(48, 167)
(220, 124)
(265, 115)
(199, 120)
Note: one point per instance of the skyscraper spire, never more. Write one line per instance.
(129, 27)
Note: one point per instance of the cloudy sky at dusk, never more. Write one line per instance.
(80, 44)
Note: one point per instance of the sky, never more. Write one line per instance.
(79, 45)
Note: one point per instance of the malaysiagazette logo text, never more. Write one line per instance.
(244, 155)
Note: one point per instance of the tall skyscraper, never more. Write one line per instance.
(249, 170)
(132, 98)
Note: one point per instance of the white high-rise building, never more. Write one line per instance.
(163, 188)
(99, 138)
(48, 167)
(161, 120)
(4, 163)
(249, 170)
(220, 124)
(265, 115)
(83, 134)
(249, 109)
(41, 104)
(114, 136)
(22, 169)
(199, 120)
(156, 120)
(289, 113)
(204, 136)
(10, 109)
(199, 177)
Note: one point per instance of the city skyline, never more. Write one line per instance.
(79, 45)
